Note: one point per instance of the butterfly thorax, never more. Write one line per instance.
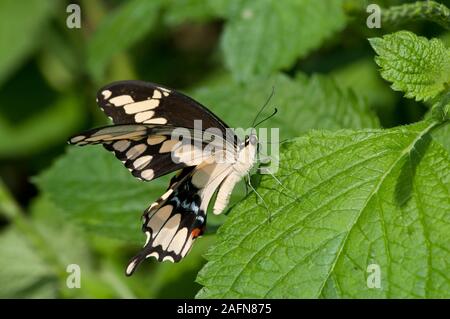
(246, 158)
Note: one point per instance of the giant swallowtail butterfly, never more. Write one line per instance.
(145, 115)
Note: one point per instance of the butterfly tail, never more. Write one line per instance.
(133, 263)
(171, 230)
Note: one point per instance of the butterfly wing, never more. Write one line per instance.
(178, 217)
(150, 151)
(128, 102)
(146, 115)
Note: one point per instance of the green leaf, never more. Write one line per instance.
(350, 199)
(442, 135)
(268, 35)
(21, 24)
(58, 61)
(44, 129)
(19, 280)
(303, 104)
(119, 31)
(179, 11)
(415, 65)
(33, 263)
(419, 10)
(363, 77)
(440, 112)
(92, 187)
(48, 219)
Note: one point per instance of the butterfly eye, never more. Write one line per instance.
(253, 139)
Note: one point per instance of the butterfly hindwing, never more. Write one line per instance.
(178, 217)
(173, 222)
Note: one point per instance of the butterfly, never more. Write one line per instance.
(145, 117)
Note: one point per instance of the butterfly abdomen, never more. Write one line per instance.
(245, 161)
(224, 193)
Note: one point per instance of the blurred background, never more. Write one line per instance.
(78, 206)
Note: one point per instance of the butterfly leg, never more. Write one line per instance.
(276, 179)
(260, 197)
(247, 180)
(284, 187)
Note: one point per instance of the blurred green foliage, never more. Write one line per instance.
(80, 206)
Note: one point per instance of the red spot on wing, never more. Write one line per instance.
(196, 232)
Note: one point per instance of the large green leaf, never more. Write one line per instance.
(268, 35)
(415, 65)
(350, 199)
(21, 24)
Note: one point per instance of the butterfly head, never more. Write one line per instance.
(251, 144)
(251, 139)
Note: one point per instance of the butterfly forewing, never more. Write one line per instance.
(143, 149)
(142, 102)
(150, 151)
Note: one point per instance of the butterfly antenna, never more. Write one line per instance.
(274, 112)
(264, 106)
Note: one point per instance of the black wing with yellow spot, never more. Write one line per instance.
(145, 115)
(144, 149)
(149, 150)
(128, 102)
